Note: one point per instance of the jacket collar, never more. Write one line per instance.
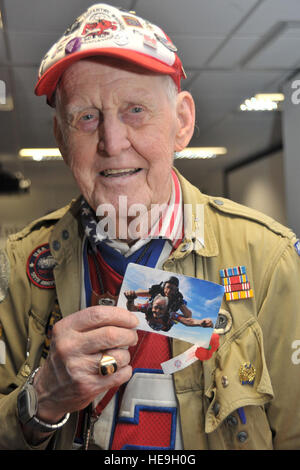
(199, 235)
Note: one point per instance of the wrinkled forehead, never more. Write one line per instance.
(92, 74)
(93, 65)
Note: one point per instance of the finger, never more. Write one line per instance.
(89, 364)
(107, 337)
(98, 316)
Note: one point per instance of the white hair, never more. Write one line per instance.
(171, 88)
(162, 298)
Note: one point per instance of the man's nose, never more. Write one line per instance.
(113, 136)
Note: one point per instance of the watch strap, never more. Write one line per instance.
(42, 426)
(29, 417)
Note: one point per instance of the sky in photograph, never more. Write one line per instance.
(203, 299)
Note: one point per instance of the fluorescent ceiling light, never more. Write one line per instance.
(270, 96)
(263, 102)
(40, 154)
(201, 152)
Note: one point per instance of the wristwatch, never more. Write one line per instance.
(28, 405)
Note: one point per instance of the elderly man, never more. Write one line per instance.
(158, 315)
(114, 80)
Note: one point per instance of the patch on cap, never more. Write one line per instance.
(109, 31)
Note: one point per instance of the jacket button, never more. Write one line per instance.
(184, 247)
(56, 245)
(216, 408)
(242, 436)
(219, 202)
(224, 381)
(231, 420)
(65, 234)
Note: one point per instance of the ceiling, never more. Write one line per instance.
(231, 50)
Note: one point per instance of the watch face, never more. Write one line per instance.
(26, 404)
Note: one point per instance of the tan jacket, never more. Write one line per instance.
(263, 330)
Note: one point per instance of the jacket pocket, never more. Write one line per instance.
(239, 379)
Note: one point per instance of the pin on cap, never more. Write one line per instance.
(104, 30)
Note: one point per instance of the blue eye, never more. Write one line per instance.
(88, 121)
(137, 109)
(87, 117)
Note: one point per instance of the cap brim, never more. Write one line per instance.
(49, 80)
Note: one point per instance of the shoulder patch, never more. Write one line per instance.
(297, 247)
(40, 266)
(4, 274)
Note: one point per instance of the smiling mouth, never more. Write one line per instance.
(119, 172)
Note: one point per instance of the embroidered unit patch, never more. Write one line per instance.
(40, 266)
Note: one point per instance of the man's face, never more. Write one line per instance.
(118, 130)
(159, 308)
(170, 289)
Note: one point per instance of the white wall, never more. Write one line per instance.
(260, 185)
(291, 139)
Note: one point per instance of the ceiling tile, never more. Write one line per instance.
(205, 17)
(232, 52)
(45, 15)
(194, 51)
(25, 80)
(268, 14)
(282, 53)
(30, 47)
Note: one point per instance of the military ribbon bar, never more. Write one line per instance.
(236, 283)
(233, 271)
(237, 287)
(244, 294)
(235, 280)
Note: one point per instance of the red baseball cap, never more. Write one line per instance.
(104, 30)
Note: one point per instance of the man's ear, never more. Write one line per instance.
(185, 109)
(59, 137)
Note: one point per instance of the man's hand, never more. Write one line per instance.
(69, 380)
(130, 294)
(207, 323)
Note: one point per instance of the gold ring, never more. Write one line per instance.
(107, 365)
